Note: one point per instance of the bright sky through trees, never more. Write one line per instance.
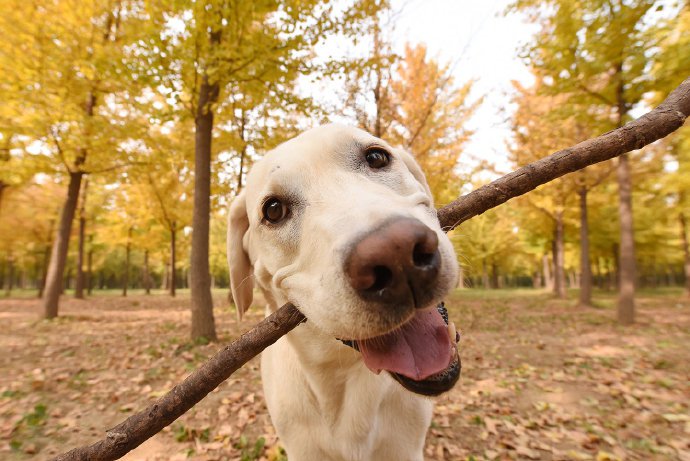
(482, 44)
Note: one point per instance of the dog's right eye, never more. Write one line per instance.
(377, 158)
(274, 210)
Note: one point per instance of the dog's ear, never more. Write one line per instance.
(415, 169)
(241, 277)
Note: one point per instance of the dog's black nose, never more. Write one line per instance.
(396, 263)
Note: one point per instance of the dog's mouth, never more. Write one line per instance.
(421, 354)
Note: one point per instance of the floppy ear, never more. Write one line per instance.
(241, 277)
(415, 169)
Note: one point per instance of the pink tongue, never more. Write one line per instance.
(418, 349)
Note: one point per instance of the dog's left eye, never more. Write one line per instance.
(274, 210)
(376, 157)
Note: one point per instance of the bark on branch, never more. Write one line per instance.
(666, 118)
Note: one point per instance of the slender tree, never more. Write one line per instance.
(233, 46)
(73, 51)
(599, 51)
(79, 284)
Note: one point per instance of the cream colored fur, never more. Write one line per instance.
(325, 404)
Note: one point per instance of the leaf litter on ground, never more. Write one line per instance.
(541, 380)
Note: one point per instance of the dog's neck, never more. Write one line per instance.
(317, 352)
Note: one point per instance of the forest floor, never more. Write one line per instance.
(541, 380)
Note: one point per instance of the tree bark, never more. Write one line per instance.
(597, 273)
(585, 264)
(128, 250)
(686, 252)
(495, 283)
(203, 322)
(546, 269)
(3, 186)
(46, 259)
(10, 276)
(89, 267)
(243, 151)
(79, 284)
(627, 271)
(626, 263)
(485, 276)
(58, 258)
(147, 275)
(377, 87)
(536, 279)
(559, 257)
(44, 270)
(173, 278)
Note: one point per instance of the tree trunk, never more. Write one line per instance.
(243, 152)
(461, 277)
(203, 323)
(686, 252)
(626, 263)
(3, 186)
(147, 275)
(44, 266)
(3, 275)
(128, 250)
(10, 277)
(58, 258)
(173, 279)
(585, 264)
(377, 87)
(572, 279)
(485, 276)
(536, 279)
(626, 293)
(559, 258)
(79, 284)
(598, 278)
(615, 267)
(546, 269)
(671, 276)
(89, 267)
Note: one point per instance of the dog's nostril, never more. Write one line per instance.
(383, 277)
(421, 257)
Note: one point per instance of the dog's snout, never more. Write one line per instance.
(396, 263)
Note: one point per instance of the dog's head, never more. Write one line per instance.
(343, 226)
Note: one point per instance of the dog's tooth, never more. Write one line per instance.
(452, 332)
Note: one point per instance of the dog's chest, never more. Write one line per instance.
(342, 411)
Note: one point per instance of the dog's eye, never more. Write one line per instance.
(274, 210)
(377, 157)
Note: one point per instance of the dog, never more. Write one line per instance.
(343, 226)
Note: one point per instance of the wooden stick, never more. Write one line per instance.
(668, 117)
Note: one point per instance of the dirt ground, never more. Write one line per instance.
(541, 380)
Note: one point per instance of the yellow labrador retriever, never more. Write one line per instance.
(342, 225)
